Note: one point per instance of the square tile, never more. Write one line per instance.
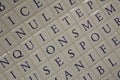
(66, 73)
(33, 24)
(83, 45)
(90, 5)
(24, 11)
(112, 61)
(74, 33)
(13, 73)
(46, 16)
(100, 70)
(38, 57)
(11, 20)
(5, 7)
(29, 45)
(58, 8)
(91, 57)
(67, 20)
(20, 33)
(42, 37)
(6, 62)
(50, 49)
(25, 66)
(58, 61)
(78, 12)
(46, 70)
(17, 53)
(62, 41)
(103, 49)
(8, 41)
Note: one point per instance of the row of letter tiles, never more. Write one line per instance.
(64, 49)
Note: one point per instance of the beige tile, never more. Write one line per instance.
(58, 8)
(50, 49)
(24, 11)
(5, 7)
(13, 73)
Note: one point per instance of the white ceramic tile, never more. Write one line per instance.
(20, 33)
(24, 11)
(54, 28)
(25, 66)
(78, 12)
(29, 45)
(6, 62)
(38, 57)
(58, 61)
(13, 73)
(17, 53)
(100, 70)
(58, 8)
(62, 41)
(114, 40)
(87, 24)
(110, 9)
(67, 20)
(116, 73)
(33, 24)
(83, 45)
(5, 7)
(95, 37)
(50, 49)
(3, 29)
(112, 61)
(71, 53)
(67, 73)
(108, 77)
(79, 65)
(46, 16)
(74, 33)
(91, 57)
(46, 70)
(34, 75)
(37, 5)
(11, 20)
(98, 16)
(42, 37)
(90, 5)
(103, 49)
(8, 41)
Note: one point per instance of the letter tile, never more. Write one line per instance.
(24, 11)
(11, 20)
(38, 57)
(13, 73)
(100, 70)
(46, 70)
